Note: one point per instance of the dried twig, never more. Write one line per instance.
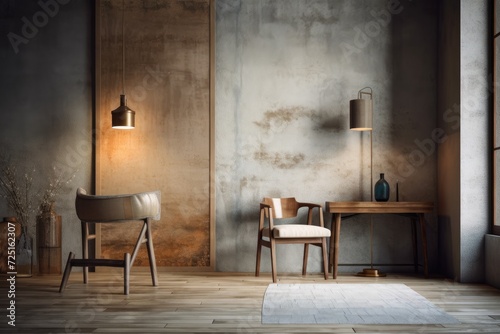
(21, 196)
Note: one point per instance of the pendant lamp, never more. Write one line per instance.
(123, 117)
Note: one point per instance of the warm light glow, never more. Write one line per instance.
(123, 127)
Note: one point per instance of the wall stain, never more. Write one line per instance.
(243, 183)
(283, 116)
(278, 159)
(248, 182)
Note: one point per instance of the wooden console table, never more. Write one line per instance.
(414, 210)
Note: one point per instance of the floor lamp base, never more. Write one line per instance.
(370, 272)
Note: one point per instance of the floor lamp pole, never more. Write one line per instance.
(371, 272)
(371, 165)
(371, 198)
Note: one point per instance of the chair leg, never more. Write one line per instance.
(67, 271)
(146, 236)
(139, 242)
(126, 274)
(151, 253)
(85, 249)
(325, 260)
(304, 261)
(273, 260)
(257, 261)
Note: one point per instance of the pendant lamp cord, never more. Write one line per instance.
(123, 46)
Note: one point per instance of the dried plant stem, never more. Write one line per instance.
(19, 199)
(21, 196)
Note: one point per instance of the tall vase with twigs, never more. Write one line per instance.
(21, 196)
(18, 192)
(49, 227)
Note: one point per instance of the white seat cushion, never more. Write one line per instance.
(298, 231)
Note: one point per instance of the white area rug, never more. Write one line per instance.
(349, 304)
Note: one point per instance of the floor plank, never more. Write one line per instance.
(215, 303)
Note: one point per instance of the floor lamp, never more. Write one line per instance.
(361, 119)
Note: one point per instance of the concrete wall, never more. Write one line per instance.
(475, 134)
(286, 71)
(464, 163)
(46, 98)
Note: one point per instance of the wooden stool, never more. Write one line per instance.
(93, 209)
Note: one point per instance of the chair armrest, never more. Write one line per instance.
(310, 207)
(265, 211)
(264, 205)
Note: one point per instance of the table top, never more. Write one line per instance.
(379, 207)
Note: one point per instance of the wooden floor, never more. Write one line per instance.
(214, 303)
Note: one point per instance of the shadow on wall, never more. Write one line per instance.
(279, 118)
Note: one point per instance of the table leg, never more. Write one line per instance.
(331, 252)
(414, 243)
(421, 218)
(334, 244)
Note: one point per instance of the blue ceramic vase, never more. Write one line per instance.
(382, 189)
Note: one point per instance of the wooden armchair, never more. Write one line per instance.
(271, 234)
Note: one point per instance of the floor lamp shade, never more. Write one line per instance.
(361, 114)
(123, 117)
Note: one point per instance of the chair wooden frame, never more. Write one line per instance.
(289, 209)
(144, 237)
(93, 209)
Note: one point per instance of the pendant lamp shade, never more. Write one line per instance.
(123, 117)
(361, 112)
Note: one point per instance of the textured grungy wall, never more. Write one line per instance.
(167, 84)
(46, 98)
(475, 213)
(463, 161)
(285, 72)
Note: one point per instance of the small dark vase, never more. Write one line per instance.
(382, 189)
